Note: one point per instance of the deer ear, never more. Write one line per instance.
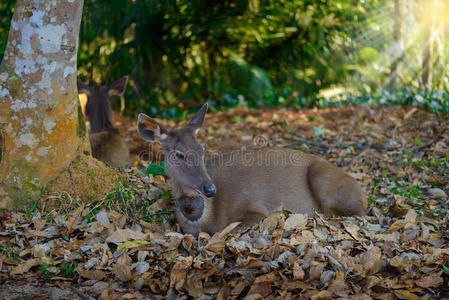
(83, 88)
(149, 129)
(198, 119)
(117, 88)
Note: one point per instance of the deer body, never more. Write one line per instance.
(110, 146)
(245, 186)
(107, 142)
(248, 191)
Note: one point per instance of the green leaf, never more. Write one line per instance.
(156, 169)
(446, 269)
(418, 142)
(368, 54)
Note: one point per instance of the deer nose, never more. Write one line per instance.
(209, 190)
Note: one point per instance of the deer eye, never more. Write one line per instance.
(179, 155)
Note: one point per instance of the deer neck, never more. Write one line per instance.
(100, 118)
(195, 214)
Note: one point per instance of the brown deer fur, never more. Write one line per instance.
(245, 186)
(107, 142)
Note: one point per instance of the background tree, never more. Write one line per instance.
(180, 53)
(42, 130)
(429, 38)
(397, 37)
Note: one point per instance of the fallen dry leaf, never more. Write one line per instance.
(122, 271)
(298, 272)
(429, 281)
(215, 244)
(372, 260)
(124, 235)
(25, 267)
(259, 290)
(295, 222)
(92, 274)
(179, 271)
(108, 294)
(404, 294)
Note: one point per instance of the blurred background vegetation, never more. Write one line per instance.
(181, 53)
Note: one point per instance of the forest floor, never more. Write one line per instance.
(128, 245)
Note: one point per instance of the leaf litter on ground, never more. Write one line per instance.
(128, 246)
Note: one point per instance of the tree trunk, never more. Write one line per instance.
(41, 126)
(429, 35)
(397, 36)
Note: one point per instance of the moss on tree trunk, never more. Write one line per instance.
(86, 178)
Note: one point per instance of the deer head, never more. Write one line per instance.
(184, 155)
(98, 109)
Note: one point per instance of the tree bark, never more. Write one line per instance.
(397, 36)
(429, 35)
(41, 126)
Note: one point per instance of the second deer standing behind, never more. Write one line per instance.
(106, 141)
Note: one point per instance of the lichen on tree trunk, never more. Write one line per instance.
(39, 116)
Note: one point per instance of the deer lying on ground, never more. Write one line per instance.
(245, 186)
(106, 141)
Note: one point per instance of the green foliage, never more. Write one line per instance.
(446, 270)
(231, 53)
(30, 208)
(369, 54)
(67, 269)
(126, 199)
(414, 195)
(238, 119)
(434, 101)
(160, 217)
(156, 169)
(121, 195)
(6, 11)
(255, 53)
(46, 272)
(9, 252)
